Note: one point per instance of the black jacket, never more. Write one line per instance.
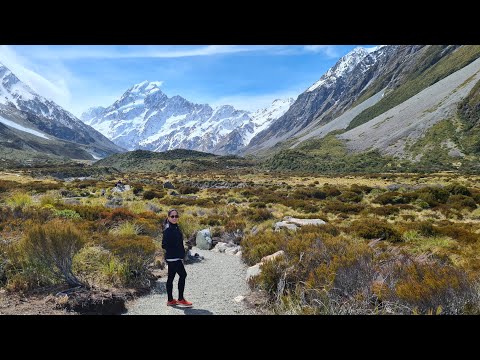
(172, 242)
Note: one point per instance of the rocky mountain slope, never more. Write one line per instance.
(23, 108)
(413, 103)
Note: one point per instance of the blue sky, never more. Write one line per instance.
(245, 76)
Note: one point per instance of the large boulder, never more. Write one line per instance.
(204, 239)
(292, 223)
(284, 224)
(302, 222)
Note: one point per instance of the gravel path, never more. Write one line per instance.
(212, 285)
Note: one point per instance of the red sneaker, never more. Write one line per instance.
(184, 303)
(172, 303)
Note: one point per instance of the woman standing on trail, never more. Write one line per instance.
(175, 252)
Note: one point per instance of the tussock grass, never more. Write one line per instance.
(19, 199)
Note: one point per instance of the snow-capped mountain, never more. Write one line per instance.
(331, 94)
(48, 117)
(345, 65)
(146, 118)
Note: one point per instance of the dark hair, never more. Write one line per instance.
(166, 223)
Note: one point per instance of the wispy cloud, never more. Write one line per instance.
(53, 86)
(328, 50)
(79, 52)
(254, 102)
(138, 51)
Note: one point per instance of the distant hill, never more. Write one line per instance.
(177, 160)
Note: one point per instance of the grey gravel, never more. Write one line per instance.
(212, 285)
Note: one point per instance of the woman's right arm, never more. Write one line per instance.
(165, 239)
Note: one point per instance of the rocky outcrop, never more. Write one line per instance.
(292, 223)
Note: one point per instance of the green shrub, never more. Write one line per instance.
(257, 204)
(213, 220)
(97, 266)
(392, 198)
(303, 194)
(459, 232)
(431, 195)
(49, 200)
(189, 225)
(375, 229)
(152, 194)
(54, 246)
(337, 207)
(361, 189)
(458, 189)
(432, 288)
(386, 210)
(331, 191)
(255, 247)
(126, 229)
(260, 215)
(460, 202)
(426, 228)
(19, 199)
(187, 189)
(350, 196)
(135, 252)
(233, 225)
(67, 214)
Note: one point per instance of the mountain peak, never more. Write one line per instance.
(145, 87)
(343, 66)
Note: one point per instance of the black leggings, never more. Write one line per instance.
(176, 267)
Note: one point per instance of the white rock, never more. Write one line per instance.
(232, 250)
(280, 224)
(302, 222)
(253, 271)
(204, 239)
(272, 256)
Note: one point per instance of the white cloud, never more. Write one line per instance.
(112, 52)
(253, 102)
(328, 50)
(53, 86)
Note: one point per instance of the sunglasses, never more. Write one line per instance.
(174, 216)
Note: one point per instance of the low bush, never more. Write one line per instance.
(375, 229)
(54, 245)
(350, 196)
(260, 215)
(19, 199)
(460, 202)
(97, 266)
(153, 194)
(393, 198)
(255, 247)
(338, 207)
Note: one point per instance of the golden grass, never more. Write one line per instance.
(21, 178)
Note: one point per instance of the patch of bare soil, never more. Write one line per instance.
(61, 300)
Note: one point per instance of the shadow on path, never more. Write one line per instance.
(193, 311)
